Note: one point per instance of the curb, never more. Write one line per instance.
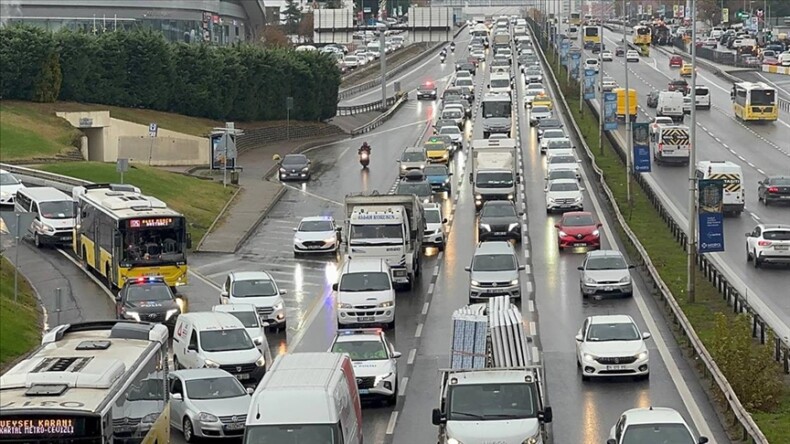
(263, 215)
(216, 219)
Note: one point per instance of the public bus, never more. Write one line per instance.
(576, 19)
(124, 234)
(754, 101)
(590, 36)
(642, 35)
(90, 383)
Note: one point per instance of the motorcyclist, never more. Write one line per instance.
(444, 52)
(365, 148)
(452, 46)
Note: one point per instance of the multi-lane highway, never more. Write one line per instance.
(760, 149)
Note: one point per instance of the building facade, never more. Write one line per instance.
(220, 22)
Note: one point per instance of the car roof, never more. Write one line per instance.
(360, 334)
(234, 308)
(357, 265)
(611, 319)
(494, 247)
(604, 253)
(317, 218)
(498, 203)
(653, 415)
(577, 214)
(250, 275)
(774, 227)
(414, 149)
(200, 373)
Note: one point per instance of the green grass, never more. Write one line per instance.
(199, 200)
(20, 330)
(25, 133)
(666, 254)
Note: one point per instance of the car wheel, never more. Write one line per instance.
(37, 240)
(585, 378)
(392, 400)
(748, 255)
(189, 432)
(757, 261)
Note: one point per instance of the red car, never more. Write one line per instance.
(773, 61)
(578, 229)
(675, 61)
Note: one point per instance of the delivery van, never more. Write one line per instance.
(733, 196)
(632, 103)
(53, 214)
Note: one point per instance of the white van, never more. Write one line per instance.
(53, 211)
(217, 340)
(375, 48)
(259, 289)
(670, 104)
(365, 294)
(784, 58)
(702, 97)
(309, 398)
(734, 195)
(248, 316)
(499, 83)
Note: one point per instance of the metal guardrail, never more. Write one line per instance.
(44, 178)
(748, 426)
(379, 120)
(365, 107)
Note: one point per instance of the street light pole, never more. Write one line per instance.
(600, 85)
(383, 51)
(691, 249)
(628, 128)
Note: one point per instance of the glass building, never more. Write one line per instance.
(219, 22)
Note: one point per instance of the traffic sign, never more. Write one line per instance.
(153, 129)
(725, 15)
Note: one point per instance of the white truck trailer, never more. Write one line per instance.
(494, 175)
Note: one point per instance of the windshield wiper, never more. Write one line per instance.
(505, 416)
(471, 415)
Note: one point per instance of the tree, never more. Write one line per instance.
(709, 11)
(291, 16)
(274, 37)
(334, 4)
(306, 27)
(47, 86)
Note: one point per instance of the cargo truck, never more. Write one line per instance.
(389, 227)
(494, 175)
(491, 393)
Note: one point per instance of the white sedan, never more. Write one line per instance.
(591, 63)
(564, 195)
(317, 234)
(611, 345)
(538, 113)
(606, 56)
(564, 163)
(631, 56)
(548, 135)
(454, 133)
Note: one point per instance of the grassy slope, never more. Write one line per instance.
(666, 254)
(200, 200)
(19, 324)
(27, 133)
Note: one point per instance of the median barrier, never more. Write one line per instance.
(378, 121)
(365, 107)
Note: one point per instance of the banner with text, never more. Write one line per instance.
(589, 84)
(565, 46)
(710, 206)
(610, 111)
(641, 140)
(576, 58)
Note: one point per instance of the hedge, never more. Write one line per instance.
(140, 69)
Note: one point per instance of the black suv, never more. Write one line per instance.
(499, 220)
(426, 91)
(147, 299)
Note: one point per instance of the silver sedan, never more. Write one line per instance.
(208, 403)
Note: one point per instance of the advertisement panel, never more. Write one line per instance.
(589, 83)
(223, 151)
(710, 207)
(641, 147)
(576, 58)
(565, 46)
(610, 111)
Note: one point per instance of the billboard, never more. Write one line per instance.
(589, 84)
(565, 46)
(641, 144)
(610, 111)
(223, 151)
(576, 58)
(710, 193)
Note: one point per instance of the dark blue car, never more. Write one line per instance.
(439, 177)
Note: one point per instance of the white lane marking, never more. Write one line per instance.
(526, 253)
(529, 287)
(533, 329)
(531, 306)
(90, 275)
(425, 308)
(307, 193)
(391, 424)
(418, 332)
(430, 289)
(402, 388)
(527, 269)
(436, 270)
(535, 355)
(412, 356)
(658, 338)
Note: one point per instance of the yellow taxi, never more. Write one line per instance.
(437, 151)
(542, 100)
(685, 70)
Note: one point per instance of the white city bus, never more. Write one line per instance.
(90, 383)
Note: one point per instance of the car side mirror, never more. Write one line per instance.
(250, 390)
(295, 230)
(192, 347)
(631, 267)
(557, 226)
(748, 234)
(444, 221)
(437, 418)
(611, 441)
(521, 268)
(646, 335)
(599, 225)
(283, 291)
(334, 287)
(580, 268)
(759, 182)
(702, 440)
(396, 354)
(449, 174)
(177, 396)
(579, 338)
(467, 268)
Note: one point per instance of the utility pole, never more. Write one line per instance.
(691, 248)
(382, 49)
(600, 86)
(628, 135)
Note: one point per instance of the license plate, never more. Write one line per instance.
(579, 244)
(235, 426)
(243, 376)
(65, 238)
(500, 233)
(607, 289)
(366, 319)
(615, 367)
(785, 197)
(364, 391)
(781, 247)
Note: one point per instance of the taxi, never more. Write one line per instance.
(437, 150)
(685, 70)
(542, 100)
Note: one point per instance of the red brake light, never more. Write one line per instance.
(660, 146)
(140, 280)
(764, 243)
(773, 189)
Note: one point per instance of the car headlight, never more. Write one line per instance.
(590, 281)
(510, 196)
(4, 194)
(478, 197)
(278, 306)
(589, 358)
(453, 441)
(260, 362)
(550, 199)
(150, 418)
(305, 169)
(47, 228)
(381, 378)
(642, 356)
(514, 282)
(474, 283)
(403, 167)
(579, 198)
(512, 226)
(422, 167)
(330, 240)
(208, 363)
(282, 170)
(447, 180)
(625, 279)
(485, 227)
(343, 305)
(170, 313)
(207, 417)
(386, 304)
(562, 233)
(596, 233)
(133, 314)
(533, 439)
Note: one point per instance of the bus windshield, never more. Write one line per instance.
(762, 97)
(591, 31)
(153, 245)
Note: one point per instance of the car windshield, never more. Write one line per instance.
(776, 235)
(225, 340)
(493, 402)
(562, 159)
(498, 211)
(493, 262)
(449, 130)
(553, 134)
(8, 179)
(144, 293)
(248, 318)
(535, 87)
(254, 288)
(534, 70)
(657, 434)
(150, 389)
(451, 114)
(433, 216)
(464, 82)
(780, 181)
(61, 209)
(564, 186)
(362, 350)
(367, 281)
(294, 159)
(540, 109)
(559, 144)
(577, 220)
(293, 434)
(315, 226)
(606, 263)
(500, 83)
(417, 188)
(494, 180)
(368, 233)
(550, 123)
(561, 174)
(435, 170)
(413, 156)
(222, 387)
(620, 331)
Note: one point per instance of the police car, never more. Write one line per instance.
(374, 360)
(148, 299)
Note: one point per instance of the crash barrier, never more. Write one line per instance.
(401, 98)
(745, 422)
(365, 107)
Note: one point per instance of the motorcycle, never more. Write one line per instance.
(364, 159)
(441, 58)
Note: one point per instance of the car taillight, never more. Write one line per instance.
(773, 189)
(764, 243)
(660, 146)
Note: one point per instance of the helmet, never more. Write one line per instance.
(365, 145)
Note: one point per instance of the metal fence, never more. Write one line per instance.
(365, 107)
(399, 100)
(747, 426)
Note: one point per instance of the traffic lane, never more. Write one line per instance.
(429, 69)
(779, 81)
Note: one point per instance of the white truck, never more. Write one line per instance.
(670, 104)
(494, 175)
(670, 144)
(491, 393)
(389, 227)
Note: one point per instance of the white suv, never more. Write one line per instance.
(375, 362)
(768, 243)
(365, 294)
(259, 289)
(652, 424)
(494, 272)
(611, 345)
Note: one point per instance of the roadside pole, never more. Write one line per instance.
(691, 248)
